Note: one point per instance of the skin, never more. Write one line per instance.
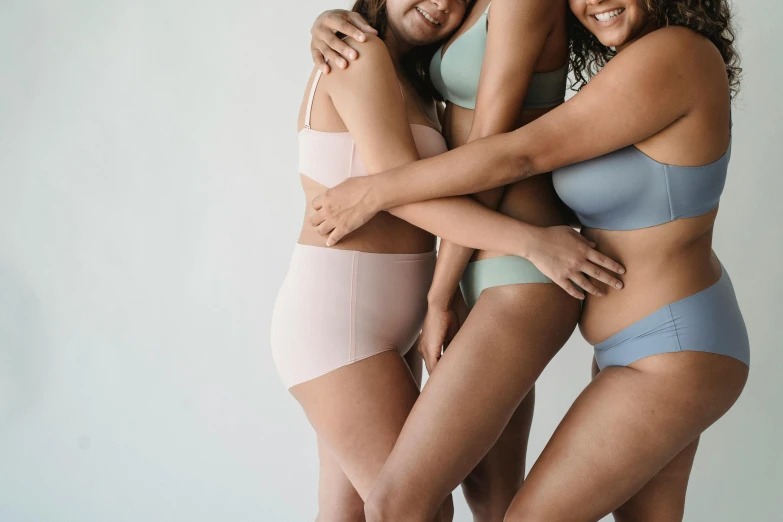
(377, 393)
(627, 443)
(523, 38)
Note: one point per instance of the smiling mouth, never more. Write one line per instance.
(427, 17)
(609, 15)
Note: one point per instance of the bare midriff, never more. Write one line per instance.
(383, 234)
(532, 200)
(664, 264)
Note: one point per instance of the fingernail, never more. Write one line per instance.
(343, 64)
(622, 270)
(618, 286)
(361, 37)
(353, 55)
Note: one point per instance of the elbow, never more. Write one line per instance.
(520, 163)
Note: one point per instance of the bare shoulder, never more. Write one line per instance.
(676, 47)
(529, 11)
(686, 60)
(375, 59)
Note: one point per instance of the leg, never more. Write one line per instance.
(338, 501)
(663, 498)
(627, 425)
(509, 337)
(492, 485)
(358, 411)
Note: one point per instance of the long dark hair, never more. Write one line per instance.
(709, 18)
(416, 63)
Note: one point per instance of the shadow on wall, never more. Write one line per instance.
(21, 341)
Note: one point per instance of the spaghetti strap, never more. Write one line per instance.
(312, 96)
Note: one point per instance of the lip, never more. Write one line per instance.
(417, 8)
(611, 20)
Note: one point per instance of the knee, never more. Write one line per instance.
(389, 505)
(486, 504)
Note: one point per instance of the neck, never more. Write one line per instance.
(397, 48)
(647, 30)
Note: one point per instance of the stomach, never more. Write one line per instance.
(383, 234)
(663, 264)
(532, 200)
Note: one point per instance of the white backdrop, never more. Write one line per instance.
(149, 201)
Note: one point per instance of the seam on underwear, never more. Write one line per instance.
(352, 304)
(676, 329)
(668, 191)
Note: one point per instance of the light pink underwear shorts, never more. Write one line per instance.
(337, 307)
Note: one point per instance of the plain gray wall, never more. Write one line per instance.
(149, 201)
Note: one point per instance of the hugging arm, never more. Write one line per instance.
(367, 97)
(634, 97)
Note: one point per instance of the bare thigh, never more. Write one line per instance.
(622, 431)
(493, 483)
(338, 501)
(662, 499)
(509, 337)
(358, 411)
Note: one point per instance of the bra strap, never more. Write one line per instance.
(312, 96)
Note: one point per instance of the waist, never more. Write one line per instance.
(659, 272)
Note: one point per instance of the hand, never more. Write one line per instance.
(439, 328)
(325, 45)
(343, 208)
(567, 257)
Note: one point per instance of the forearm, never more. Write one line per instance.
(466, 222)
(453, 258)
(475, 167)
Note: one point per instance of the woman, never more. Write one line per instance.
(641, 155)
(504, 68)
(342, 359)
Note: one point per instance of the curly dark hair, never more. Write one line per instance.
(709, 18)
(416, 63)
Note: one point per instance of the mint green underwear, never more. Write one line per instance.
(497, 271)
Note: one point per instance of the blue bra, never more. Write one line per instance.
(628, 190)
(456, 75)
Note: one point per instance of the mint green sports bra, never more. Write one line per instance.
(456, 75)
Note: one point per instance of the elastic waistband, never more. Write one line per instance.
(633, 329)
(336, 252)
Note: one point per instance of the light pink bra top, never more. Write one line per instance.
(329, 158)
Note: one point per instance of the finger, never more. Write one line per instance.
(585, 284)
(344, 50)
(601, 260)
(334, 237)
(582, 238)
(316, 219)
(596, 273)
(348, 27)
(318, 59)
(318, 202)
(566, 285)
(361, 24)
(324, 229)
(333, 57)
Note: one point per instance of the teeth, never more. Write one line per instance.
(605, 17)
(428, 17)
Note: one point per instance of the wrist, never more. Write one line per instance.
(439, 299)
(528, 240)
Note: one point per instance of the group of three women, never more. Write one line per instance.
(638, 157)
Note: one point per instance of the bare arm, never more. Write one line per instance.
(369, 101)
(640, 92)
(516, 37)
